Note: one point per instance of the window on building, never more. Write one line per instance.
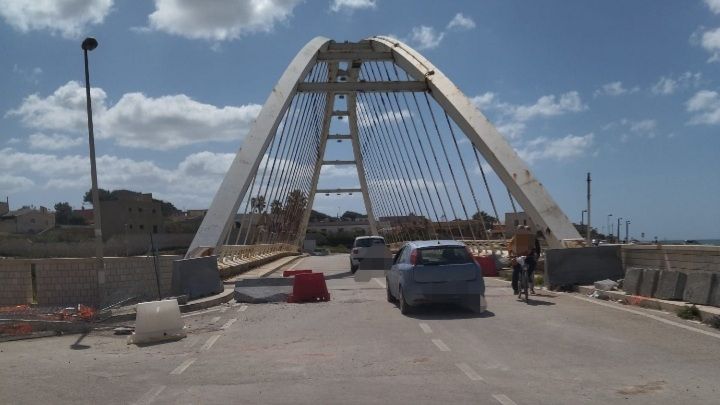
(32, 220)
(139, 209)
(524, 221)
(155, 227)
(153, 210)
(142, 227)
(130, 226)
(129, 209)
(517, 222)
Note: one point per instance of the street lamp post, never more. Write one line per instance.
(618, 230)
(88, 45)
(582, 218)
(627, 228)
(608, 223)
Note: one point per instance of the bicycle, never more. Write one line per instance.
(524, 283)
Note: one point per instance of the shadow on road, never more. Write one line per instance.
(338, 275)
(77, 345)
(446, 311)
(535, 302)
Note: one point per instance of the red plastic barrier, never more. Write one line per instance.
(487, 264)
(309, 287)
(290, 273)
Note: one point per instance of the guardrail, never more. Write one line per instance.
(235, 256)
(477, 247)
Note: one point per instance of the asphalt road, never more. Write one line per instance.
(358, 349)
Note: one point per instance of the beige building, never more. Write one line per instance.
(26, 220)
(130, 213)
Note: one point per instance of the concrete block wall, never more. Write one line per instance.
(672, 257)
(15, 283)
(62, 282)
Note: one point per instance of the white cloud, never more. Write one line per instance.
(69, 18)
(29, 75)
(714, 5)
(352, 5)
(614, 89)
(484, 100)
(559, 149)
(53, 142)
(643, 126)
(705, 105)
(220, 20)
(710, 40)
(460, 22)
(548, 106)
(424, 37)
(512, 130)
(137, 120)
(14, 184)
(64, 110)
(668, 85)
(173, 121)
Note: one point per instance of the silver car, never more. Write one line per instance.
(435, 271)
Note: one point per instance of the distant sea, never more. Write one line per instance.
(712, 242)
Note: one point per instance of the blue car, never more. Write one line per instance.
(436, 271)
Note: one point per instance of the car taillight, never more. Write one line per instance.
(355, 251)
(414, 257)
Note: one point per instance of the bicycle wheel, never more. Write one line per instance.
(525, 286)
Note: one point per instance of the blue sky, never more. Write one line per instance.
(627, 90)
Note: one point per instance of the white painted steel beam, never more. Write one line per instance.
(354, 55)
(511, 169)
(346, 87)
(225, 204)
(339, 190)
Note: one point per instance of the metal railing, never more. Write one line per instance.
(236, 255)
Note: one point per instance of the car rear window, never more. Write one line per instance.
(443, 255)
(367, 242)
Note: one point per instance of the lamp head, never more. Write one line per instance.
(89, 44)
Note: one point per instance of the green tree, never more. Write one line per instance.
(105, 195)
(63, 213)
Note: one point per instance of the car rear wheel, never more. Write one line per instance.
(404, 306)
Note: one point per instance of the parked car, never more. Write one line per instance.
(362, 247)
(437, 271)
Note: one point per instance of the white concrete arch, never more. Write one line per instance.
(513, 172)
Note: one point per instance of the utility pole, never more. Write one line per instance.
(589, 226)
(627, 228)
(608, 224)
(618, 230)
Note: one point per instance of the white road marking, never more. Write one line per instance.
(210, 342)
(503, 399)
(182, 367)
(425, 327)
(469, 372)
(215, 319)
(228, 323)
(657, 318)
(200, 312)
(242, 308)
(440, 345)
(381, 282)
(150, 396)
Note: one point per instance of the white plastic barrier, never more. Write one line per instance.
(157, 321)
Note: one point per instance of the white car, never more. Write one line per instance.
(362, 246)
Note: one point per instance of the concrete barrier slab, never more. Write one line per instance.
(671, 285)
(698, 287)
(582, 265)
(262, 290)
(633, 278)
(197, 277)
(715, 293)
(649, 282)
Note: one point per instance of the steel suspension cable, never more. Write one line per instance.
(487, 186)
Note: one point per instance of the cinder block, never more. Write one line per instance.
(698, 287)
(671, 285)
(648, 283)
(633, 278)
(715, 294)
